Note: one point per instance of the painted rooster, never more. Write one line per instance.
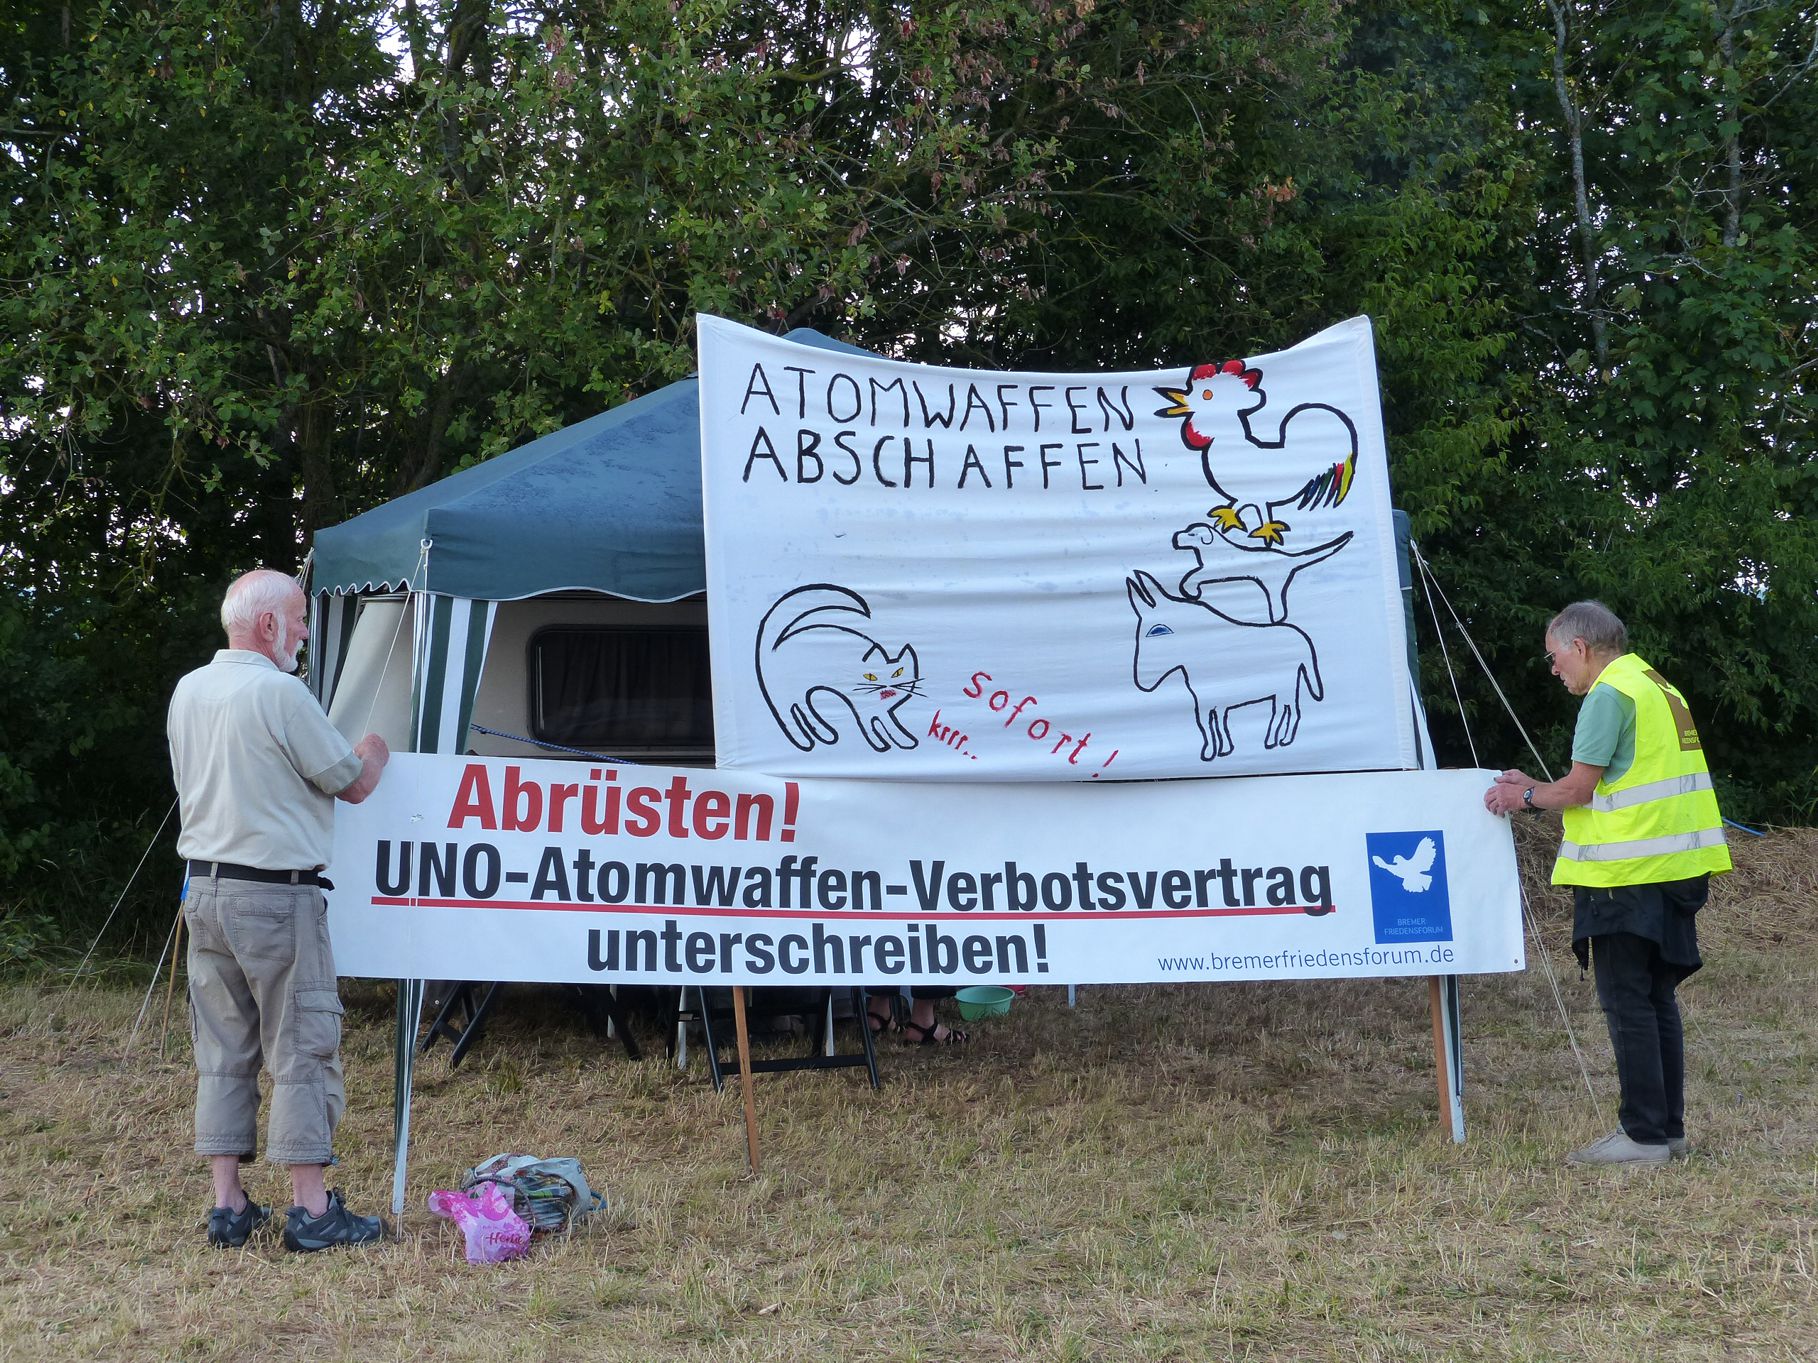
(1307, 461)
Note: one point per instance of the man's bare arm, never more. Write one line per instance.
(1574, 788)
(373, 755)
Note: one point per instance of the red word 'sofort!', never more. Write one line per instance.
(600, 806)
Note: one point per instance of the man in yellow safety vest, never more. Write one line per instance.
(1642, 838)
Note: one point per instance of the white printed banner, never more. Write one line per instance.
(485, 868)
(956, 575)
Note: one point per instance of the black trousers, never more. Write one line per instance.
(1636, 989)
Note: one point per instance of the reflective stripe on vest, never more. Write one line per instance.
(1653, 790)
(1643, 847)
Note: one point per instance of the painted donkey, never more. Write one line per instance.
(1226, 664)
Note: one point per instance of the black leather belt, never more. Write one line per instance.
(226, 870)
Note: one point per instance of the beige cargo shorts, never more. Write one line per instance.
(262, 987)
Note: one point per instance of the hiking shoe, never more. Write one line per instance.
(229, 1229)
(1679, 1147)
(305, 1234)
(1617, 1148)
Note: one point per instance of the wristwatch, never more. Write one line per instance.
(1527, 799)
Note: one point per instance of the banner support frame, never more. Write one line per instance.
(1448, 1052)
(742, 1027)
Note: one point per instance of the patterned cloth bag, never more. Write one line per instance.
(550, 1194)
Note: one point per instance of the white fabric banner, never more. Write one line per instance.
(487, 868)
(957, 575)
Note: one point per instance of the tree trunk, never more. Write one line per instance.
(1590, 303)
(1731, 113)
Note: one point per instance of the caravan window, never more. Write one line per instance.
(623, 691)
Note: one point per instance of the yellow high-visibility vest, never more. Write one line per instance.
(1659, 820)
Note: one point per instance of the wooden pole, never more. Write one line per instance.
(744, 1034)
(170, 989)
(1442, 1067)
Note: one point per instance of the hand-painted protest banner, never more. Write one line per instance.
(957, 575)
(488, 868)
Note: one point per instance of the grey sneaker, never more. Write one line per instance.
(230, 1230)
(1679, 1147)
(1617, 1148)
(305, 1234)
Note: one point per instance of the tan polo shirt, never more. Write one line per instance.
(257, 765)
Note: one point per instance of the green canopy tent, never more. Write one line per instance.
(611, 504)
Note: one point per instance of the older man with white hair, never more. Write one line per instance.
(258, 768)
(1643, 836)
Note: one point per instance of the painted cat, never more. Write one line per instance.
(817, 663)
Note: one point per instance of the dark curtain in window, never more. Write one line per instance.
(642, 689)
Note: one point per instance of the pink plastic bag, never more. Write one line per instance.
(494, 1231)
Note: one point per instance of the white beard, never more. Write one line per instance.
(287, 651)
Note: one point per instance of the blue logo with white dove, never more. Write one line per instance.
(1409, 898)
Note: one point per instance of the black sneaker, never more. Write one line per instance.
(230, 1230)
(305, 1234)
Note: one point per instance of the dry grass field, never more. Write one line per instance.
(1236, 1172)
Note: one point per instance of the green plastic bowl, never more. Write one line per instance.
(983, 1001)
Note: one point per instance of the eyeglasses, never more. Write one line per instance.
(1551, 654)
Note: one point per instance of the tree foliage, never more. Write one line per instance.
(268, 264)
(1665, 460)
